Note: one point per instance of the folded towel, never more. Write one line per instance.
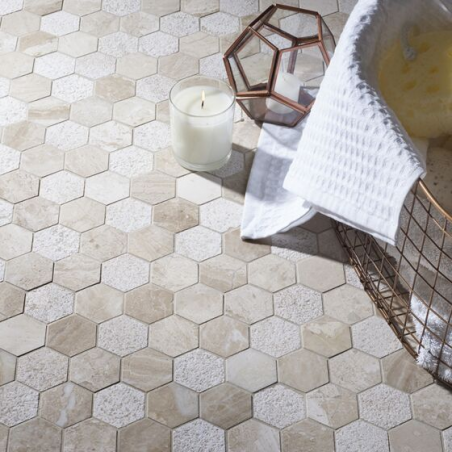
(355, 162)
(269, 208)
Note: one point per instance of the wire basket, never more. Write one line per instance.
(411, 283)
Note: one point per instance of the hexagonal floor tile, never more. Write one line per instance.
(320, 273)
(199, 370)
(253, 436)
(271, 273)
(125, 272)
(29, 271)
(172, 405)
(174, 272)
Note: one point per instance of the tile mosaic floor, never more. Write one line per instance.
(132, 317)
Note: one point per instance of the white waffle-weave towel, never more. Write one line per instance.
(269, 208)
(355, 162)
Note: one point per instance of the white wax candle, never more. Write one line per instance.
(288, 85)
(202, 132)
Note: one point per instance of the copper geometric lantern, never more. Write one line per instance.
(275, 66)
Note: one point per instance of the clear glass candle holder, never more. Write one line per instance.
(202, 119)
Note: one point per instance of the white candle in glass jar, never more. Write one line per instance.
(287, 85)
(202, 117)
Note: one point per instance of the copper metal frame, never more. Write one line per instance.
(267, 90)
(384, 277)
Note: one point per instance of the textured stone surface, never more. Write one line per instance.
(199, 370)
(119, 405)
(131, 269)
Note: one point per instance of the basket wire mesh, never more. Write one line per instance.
(411, 283)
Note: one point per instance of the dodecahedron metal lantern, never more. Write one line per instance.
(276, 65)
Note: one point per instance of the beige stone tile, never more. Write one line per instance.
(320, 273)
(48, 111)
(90, 112)
(35, 436)
(21, 334)
(42, 7)
(92, 435)
(401, 371)
(99, 23)
(20, 23)
(134, 111)
(99, 303)
(11, 300)
(225, 406)
(71, 335)
(330, 247)
(251, 370)
(151, 243)
(14, 241)
(95, 369)
(174, 272)
(199, 45)
(136, 65)
(347, 304)
(7, 368)
(77, 44)
(224, 336)
(199, 303)
(143, 435)
(176, 215)
(42, 160)
(86, 161)
(23, 135)
(82, 7)
(114, 88)
(160, 9)
(415, 437)
(18, 403)
(166, 163)
(38, 43)
(139, 24)
(146, 369)
(30, 87)
(173, 335)
(223, 273)
(432, 406)
(66, 404)
(36, 213)
(29, 271)
(303, 370)
(77, 272)
(172, 405)
(355, 370)
(332, 405)
(163, 114)
(308, 436)
(200, 7)
(103, 243)
(246, 135)
(246, 251)
(248, 304)
(178, 66)
(253, 436)
(82, 214)
(199, 188)
(326, 336)
(18, 186)
(271, 273)
(153, 188)
(15, 64)
(149, 303)
(111, 136)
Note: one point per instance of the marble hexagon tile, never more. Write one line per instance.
(132, 315)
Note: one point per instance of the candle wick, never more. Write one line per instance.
(203, 98)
